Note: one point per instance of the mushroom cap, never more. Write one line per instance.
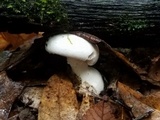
(73, 46)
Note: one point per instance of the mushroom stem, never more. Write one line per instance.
(87, 74)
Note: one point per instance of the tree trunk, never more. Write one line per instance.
(126, 20)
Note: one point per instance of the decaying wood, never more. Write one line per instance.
(119, 22)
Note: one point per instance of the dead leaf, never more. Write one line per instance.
(10, 59)
(16, 40)
(87, 102)
(26, 114)
(123, 59)
(154, 71)
(152, 100)
(141, 72)
(138, 70)
(132, 99)
(154, 116)
(31, 96)
(59, 101)
(9, 91)
(12, 56)
(127, 90)
(152, 75)
(102, 111)
(3, 43)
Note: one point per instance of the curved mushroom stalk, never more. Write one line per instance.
(80, 53)
(87, 74)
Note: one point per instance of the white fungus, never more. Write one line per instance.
(79, 53)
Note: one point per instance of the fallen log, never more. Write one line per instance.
(119, 22)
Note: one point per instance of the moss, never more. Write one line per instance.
(129, 24)
(38, 11)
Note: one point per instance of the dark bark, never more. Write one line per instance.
(119, 22)
(97, 14)
(126, 20)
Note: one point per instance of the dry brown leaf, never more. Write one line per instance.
(154, 72)
(133, 66)
(125, 60)
(3, 43)
(132, 99)
(59, 101)
(152, 100)
(15, 40)
(102, 111)
(154, 116)
(142, 73)
(9, 91)
(153, 75)
(87, 102)
(128, 91)
(31, 96)
(9, 58)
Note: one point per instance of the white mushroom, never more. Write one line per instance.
(80, 53)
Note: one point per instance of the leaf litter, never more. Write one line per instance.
(131, 90)
(9, 90)
(58, 99)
